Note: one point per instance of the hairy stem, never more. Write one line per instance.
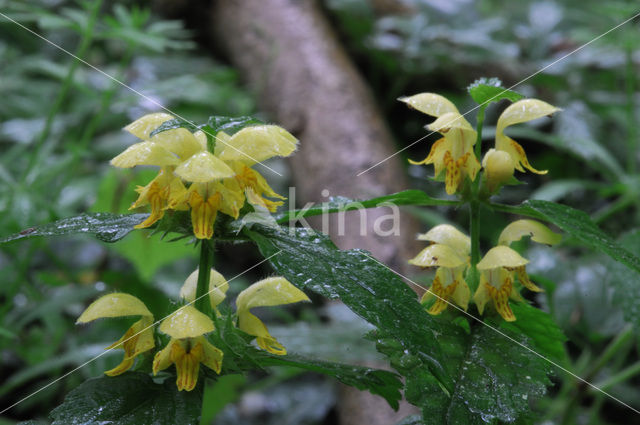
(204, 272)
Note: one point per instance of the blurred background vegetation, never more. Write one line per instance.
(60, 124)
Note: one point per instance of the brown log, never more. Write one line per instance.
(303, 79)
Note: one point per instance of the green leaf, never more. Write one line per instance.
(577, 224)
(486, 90)
(381, 382)
(106, 226)
(310, 260)
(626, 282)
(246, 357)
(406, 197)
(495, 378)
(174, 123)
(543, 332)
(129, 399)
(231, 125)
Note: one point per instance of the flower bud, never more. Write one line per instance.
(498, 167)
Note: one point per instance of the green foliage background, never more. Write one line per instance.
(59, 126)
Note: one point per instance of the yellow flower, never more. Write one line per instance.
(501, 264)
(218, 287)
(519, 112)
(498, 167)
(497, 269)
(188, 347)
(446, 234)
(137, 340)
(454, 152)
(265, 293)
(537, 231)
(249, 146)
(449, 252)
(217, 180)
(164, 192)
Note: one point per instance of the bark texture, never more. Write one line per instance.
(304, 80)
(302, 77)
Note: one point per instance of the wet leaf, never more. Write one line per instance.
(543, 332)
(310, 260)
(626, 282)
(337, 204)
(487, 90)
(106, 226)
(173, 124)
(129, 399)
(380, 382)
(578, 225)
(246, 357)
(231, 125)
(495, 378)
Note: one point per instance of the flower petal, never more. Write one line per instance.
(516, 151)
(218, 287)
(142, 127)
(269, 292)
(145, 153)
(499, 168)
(481, 297)
(203, 167)
(117, 304)
(179, 141)
(519, 112)
(430, 103)
(523, 111)
(438, 255)
(187, 364)
(162, 359)
(501, 256)
(446, 234)
(441, 293)
(249, 323)
(211, 355)
(500, 297)
(203, 212)
(137, 340)
(257, 143)
(520, 228)
(523, 277)
(186, 322)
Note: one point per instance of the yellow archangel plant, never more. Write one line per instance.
(188, 347)
(137, 340)
(187, 327)
(193, 178)
(454, 153)
(449, 252)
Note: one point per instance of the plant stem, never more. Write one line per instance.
(204, 272)
(614, 347)
(479, 123)
(620, 377)
(474, 207)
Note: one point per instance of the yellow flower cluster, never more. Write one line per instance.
(449, 251)
(188, 346)
(192, 178)
(453, 154)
